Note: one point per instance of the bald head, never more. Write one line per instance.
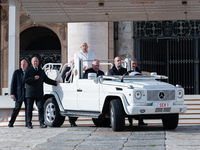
(117, 62)
(95, 65)
(84, 47)
(35, 62)
(24, 64)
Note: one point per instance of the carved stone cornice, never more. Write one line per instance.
(23, 19)
(61, 28)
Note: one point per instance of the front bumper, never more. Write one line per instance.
(146, 110)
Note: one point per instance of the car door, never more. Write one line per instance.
(88, 95)
(67, 94)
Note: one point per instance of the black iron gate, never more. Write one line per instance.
(170, 54)
(50, 56)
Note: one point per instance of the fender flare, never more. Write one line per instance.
(122, 98)
(55, 94)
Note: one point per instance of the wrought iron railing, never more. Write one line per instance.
(53, 56)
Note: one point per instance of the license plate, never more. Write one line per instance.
(162, 105)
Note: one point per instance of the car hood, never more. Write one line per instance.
(147, 84)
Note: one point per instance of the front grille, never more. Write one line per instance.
(160, 95)
(162, 109)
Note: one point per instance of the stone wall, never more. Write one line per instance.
(124, 44)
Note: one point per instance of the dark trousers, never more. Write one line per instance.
(16, 110)
(39, 103)
(72, 120)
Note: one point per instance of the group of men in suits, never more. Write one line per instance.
(27, 87)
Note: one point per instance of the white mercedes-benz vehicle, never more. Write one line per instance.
(108, 100)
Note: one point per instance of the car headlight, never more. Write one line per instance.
(179, 93)
(138, 94)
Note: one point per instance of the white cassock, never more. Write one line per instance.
(85, 56)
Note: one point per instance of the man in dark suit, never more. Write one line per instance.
(34, 78)
(117, 69)
(94, 69)
(17, 91)
(134, 68)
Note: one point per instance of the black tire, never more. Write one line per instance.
(52, 115)
(117, 117)
(170, 121)
(101, 121)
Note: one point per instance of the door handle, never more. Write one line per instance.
(79, 90)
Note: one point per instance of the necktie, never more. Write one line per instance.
(23, 73)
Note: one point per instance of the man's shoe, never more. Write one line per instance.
(142, 124)
(43, 125)
(30, 127)
(10, 125)
(73, 125)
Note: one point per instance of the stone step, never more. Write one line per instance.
(191, 116)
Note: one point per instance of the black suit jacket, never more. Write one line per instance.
(17, 86)
(64, 72)
(34, 88)
(114, 71)
(90, 70)
(137, 70)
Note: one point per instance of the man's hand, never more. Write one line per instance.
(58, 83)
(37, 77)
(67, 73)
(12, 96)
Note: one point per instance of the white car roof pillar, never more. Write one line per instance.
(13, 45)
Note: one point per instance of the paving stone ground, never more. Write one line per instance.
(93, 138)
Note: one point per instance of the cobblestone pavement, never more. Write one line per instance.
(93, 138)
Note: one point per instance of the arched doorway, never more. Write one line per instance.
(40, 42)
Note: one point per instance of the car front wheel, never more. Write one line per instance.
(170, 121)
(117, 117)
(52, 115)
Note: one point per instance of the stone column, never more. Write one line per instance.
(94, 33)
(13, 47)
(125, 40)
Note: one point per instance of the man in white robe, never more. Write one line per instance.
(85, 54)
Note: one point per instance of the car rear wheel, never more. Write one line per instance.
(170, 121)
(52, 115)
(117, 117)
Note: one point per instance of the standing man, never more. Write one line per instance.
(117, 69)
(85, 54)
(34, 78)
(17, 92)
(134, 68)
(94, 69)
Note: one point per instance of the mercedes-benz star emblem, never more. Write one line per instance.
(161, 95)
